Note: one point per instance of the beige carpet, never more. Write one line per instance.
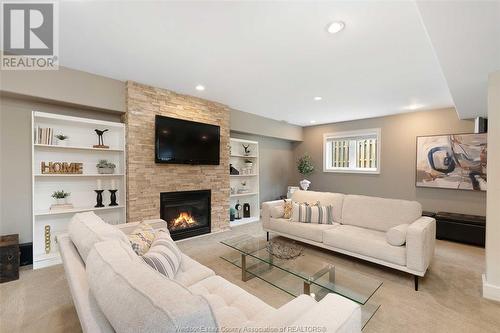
(449, 299)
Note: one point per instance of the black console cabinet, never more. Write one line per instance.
(469, 229)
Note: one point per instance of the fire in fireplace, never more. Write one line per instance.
(187, 213)
(183, 221)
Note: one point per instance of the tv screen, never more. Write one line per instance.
(180, 141)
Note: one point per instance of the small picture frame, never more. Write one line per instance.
(291, 189)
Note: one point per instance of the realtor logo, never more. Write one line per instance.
(29, 37)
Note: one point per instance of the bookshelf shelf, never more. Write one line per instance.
(78, 148)
(250, 178)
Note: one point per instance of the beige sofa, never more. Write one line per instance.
(115, 291)
(360, 227)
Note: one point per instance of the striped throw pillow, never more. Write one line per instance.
(312, 214)
(163, 255)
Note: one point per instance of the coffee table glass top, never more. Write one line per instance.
(312, 273)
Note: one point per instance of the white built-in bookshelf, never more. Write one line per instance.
(250, 175)
(78, 149)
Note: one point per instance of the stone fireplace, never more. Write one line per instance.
(187, 213)
(147, 180)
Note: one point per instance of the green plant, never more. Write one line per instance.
(105, 164)
(305, 165)
(232, 211)
(60, 194)
(61, 137)
(248, 161)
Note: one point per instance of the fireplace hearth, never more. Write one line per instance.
(187, 213)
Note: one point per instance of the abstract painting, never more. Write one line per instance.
(456, 161)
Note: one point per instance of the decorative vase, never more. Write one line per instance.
(105, 171)
(61, 201)
(249, 164)
(62, 143)
(304, 184)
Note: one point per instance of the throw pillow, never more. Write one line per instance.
(142, 238)
(287, 209)
(163, 255)
(397, 235)
(277, 212)
(312, 214)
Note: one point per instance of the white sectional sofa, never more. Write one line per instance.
(115, 291)
(360, 227)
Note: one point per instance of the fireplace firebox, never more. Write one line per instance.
(187, 213)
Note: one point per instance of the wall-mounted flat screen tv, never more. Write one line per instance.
(180, 141)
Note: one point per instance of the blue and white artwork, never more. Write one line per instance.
(455, 161)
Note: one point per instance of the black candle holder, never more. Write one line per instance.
(99, 198)
(113, 198)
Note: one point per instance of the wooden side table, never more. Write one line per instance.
(9, 258)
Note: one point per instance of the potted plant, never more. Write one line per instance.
(105, 167)
(232, 214)
(62, 140)
(305, 168)
(60, 197)
(248, 163)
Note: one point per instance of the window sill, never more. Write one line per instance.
(359, 171)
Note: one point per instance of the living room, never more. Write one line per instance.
(250, 166)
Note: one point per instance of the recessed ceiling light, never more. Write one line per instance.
(335, 26)
(413, 107)
(200, 87)
(318, 98)
(313, 121)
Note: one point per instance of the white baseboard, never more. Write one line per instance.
(490, 291)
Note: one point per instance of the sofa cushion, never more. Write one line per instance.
(397, 235)
(86, 229)
(164, 255)
(325, 198)
(306, 213)
(308, 231)
(379, 213)
(231, 305)
(190, 271)
(367, 242)
(136, 298)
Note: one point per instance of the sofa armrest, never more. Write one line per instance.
(420, 241)
(128, 228)
(288, 313)
(266, 211)
(333, 313)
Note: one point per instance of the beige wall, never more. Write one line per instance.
(15, 159)
(244, 122)
(146, 179)
(492, 285)
(68, 86)
(276, 165)
(397, 178)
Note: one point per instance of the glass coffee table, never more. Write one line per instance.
(309, 273)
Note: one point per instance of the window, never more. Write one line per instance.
(356, 151)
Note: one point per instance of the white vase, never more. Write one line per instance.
(304, 184)
(61, 201)
(62, 143)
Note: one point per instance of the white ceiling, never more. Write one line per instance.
(266, 58)
(466, 39)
